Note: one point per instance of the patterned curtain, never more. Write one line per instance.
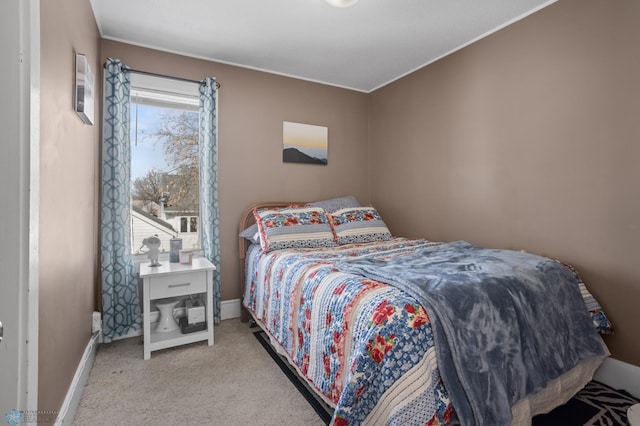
(120, 299)
(209, 220)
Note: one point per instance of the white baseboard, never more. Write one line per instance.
(229, 309)
(619, 375)
(72, 400)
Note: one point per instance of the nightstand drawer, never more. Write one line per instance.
(177, 285)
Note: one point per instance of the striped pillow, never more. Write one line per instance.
(294, 227)
(335, 204)
(359, 225)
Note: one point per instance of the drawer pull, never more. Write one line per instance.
(179, 285)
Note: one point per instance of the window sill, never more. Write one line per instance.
(162, 257)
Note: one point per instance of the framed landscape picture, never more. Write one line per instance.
(304, 143)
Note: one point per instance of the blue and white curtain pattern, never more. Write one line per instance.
(209, 219)
(120, 299)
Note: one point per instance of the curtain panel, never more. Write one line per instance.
(121, 311)
(209, 219)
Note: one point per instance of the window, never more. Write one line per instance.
(164, 161)
(188, 224)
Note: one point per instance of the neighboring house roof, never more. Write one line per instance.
(168, 211)
(154, 219)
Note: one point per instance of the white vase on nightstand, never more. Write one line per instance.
(167, 322)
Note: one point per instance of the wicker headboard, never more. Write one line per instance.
(246, 220)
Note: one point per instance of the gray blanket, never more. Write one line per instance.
(505, 322)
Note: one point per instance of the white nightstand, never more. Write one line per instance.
(172, 280)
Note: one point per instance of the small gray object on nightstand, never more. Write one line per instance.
(175, 245)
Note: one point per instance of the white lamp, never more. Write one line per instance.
(342, 3)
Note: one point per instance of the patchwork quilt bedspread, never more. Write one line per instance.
(366, 347)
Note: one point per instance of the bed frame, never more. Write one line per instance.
(246, 220)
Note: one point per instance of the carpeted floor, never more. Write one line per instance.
(235, 382)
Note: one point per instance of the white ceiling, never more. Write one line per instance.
(362, 47)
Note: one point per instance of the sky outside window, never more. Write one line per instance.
(147, 152)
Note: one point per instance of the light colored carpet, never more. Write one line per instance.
(234, 382)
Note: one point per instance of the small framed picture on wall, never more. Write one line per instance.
(83, 96)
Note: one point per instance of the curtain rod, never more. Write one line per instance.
(153, 74)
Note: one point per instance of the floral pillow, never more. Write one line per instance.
(294, 227)
(359, 225)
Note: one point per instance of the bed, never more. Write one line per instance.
(373, 350)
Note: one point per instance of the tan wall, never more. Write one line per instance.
(528, 139)
(252, 107)
(68, 200)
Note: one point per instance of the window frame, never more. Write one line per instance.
(163, 92)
